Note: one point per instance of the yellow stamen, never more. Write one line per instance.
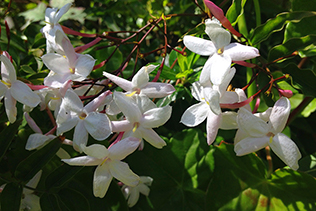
(104, 161)
(72, 71)
(131, 94)
(135, 127)
(82, 116)
(54, 98)
(205, 101)
(6, 83)
(220, 51)
(271, 139)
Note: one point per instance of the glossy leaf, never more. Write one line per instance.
(51, 202)
(7, 136)
(290, 46)
(235, 11)
(303, 79)
(276, 24)
(11, 197)
(37, 160)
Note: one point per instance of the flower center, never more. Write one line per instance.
(136, 125)
(220, 51)
(82, 115)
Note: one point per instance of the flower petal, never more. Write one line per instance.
(219, 67)
(217, 34)
(212, 99)
(10, 106)
(286, 150)
(198, 45)
(128, 106)
(239, 52)
(123, 148)
(84, 65)
(251, 124)
(56, 63)
(206, 72)
(96, 150)
(98, 125)
(37, 140)
(212, 125)
(83, 161)
(250, 144)
(152, 137)
(80, 136)
(156, 117)
(101, 180)
(279, 115)
(121, 82)
(195, 114)
(22, 93)
(157, 90)
(121, 126)
(121, 171)
(61, 12)
(8, 73)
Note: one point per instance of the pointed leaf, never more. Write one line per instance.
(11, 197)
(6, 137)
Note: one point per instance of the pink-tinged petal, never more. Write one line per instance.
(101, 180)
(83, 161)
(199, 46)
(250, 144)
(8, 73)
(57, 63)
(156, 117)
(80, 136)
(10, 108)
(98, 125)
(212, 125)
(84, 65)
(121, 126)
(3, 89)
(128, 106)
(157, 90)
(229, 97)
(61, 12)
(279, 115)
(96, 102)
(72, 102)
(123, 173)
(121, 82)
(239, 52)
(219, 67)
(251, 124)
(30, 121)
(205, 75)
(37, 140)
(96, 150)
(152, 137)
(229, 120)
(55, 80)
(195, 114)
(286, 150)
(22, 93)
(123, 148)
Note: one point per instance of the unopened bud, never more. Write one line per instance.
(286, 93)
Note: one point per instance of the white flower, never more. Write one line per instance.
(52, 17)
(72, 113)
(140, 84)
(132, 193)
(257, 133)
(208, 108)
(109, 164)
(72, 66)
(14, 90)
(220, 50)
(141, 116)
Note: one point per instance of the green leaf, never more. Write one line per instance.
(74, 200)
(37, 160)
(36, 14)
(11, 197)
(290, 46)
(6, 137)
(235, 11)
(303, 79)
(181, 172)
(310, 108)
(276, 24)
(250, 188)
(51, 202)
(27, 69)
(61, 176)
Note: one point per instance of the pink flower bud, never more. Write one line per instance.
(286, 93)
(219, 14)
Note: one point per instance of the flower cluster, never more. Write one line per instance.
(133, 113)
(255, 131)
